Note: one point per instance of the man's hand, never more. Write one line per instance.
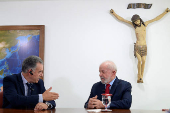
(95, 103)
(167, 10)
(48, 96)
(90, 103)
(40, 106)
(111, 11)
(98, 104)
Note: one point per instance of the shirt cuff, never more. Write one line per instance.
(40, 98)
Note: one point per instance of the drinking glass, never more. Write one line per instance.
(106, 100)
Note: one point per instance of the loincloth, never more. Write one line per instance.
(140, 49)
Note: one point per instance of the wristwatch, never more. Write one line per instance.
(48, 104)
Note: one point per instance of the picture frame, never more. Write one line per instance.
(29, 32)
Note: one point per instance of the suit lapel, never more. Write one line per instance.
(101, 91)
(102, 88)
(114, 86)
(20, 82)
(34, 89)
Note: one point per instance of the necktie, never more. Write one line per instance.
(29, 88)
(107, 89)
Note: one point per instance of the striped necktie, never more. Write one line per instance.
(29, 88)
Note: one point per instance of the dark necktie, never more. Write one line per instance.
(107, 89)
(29, 88)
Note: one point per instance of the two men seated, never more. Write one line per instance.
(26, 90)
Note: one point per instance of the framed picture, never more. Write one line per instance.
(16, 44)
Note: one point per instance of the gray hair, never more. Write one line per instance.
(110, 65)
(31, 63)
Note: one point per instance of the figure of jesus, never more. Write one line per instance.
(140, 47)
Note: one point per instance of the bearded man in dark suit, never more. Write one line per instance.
(120, 89)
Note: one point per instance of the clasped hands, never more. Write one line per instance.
(47, 96)
(95, 103)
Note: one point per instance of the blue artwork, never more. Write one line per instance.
(15, 46)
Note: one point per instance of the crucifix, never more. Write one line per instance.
(140, 47)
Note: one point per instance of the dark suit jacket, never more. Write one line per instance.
(121, 94)
(14, 93)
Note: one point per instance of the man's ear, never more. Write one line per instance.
(114, 72)
(30, 71)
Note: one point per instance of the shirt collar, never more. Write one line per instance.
(23, 79)
(111, 83)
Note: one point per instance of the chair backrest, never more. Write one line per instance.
(1, 98)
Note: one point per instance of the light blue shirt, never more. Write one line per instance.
(111, 83)
(26, 88)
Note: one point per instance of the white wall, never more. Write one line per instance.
(80, 34)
